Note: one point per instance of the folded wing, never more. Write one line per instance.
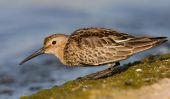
(95, 46)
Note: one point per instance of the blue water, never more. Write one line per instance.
(24, 25)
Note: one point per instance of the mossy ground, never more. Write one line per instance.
(145, 72)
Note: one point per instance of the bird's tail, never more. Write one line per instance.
(144, 43)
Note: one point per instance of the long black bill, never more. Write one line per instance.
(37, 53)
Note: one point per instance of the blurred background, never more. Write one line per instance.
(25, 23)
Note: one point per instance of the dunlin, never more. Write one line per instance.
(94, 47)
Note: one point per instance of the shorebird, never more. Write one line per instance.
(95, 47)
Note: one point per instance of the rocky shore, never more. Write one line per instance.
(148, 78)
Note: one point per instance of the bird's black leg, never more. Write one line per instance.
(104, 73)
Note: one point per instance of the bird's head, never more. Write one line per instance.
(53, 44)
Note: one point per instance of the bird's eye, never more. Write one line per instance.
(54, 42)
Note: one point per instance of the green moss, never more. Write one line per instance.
(145, 72)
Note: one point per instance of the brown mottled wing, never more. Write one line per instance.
(95, 46)
(143, 43)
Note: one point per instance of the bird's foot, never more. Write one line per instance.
(104, 73)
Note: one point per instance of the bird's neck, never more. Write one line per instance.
(60, 52)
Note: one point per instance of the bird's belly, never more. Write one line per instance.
(97, 57)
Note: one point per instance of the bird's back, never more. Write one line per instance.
(95, 46)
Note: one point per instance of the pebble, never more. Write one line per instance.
(138, 70)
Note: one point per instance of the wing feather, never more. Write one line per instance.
(96, 46)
